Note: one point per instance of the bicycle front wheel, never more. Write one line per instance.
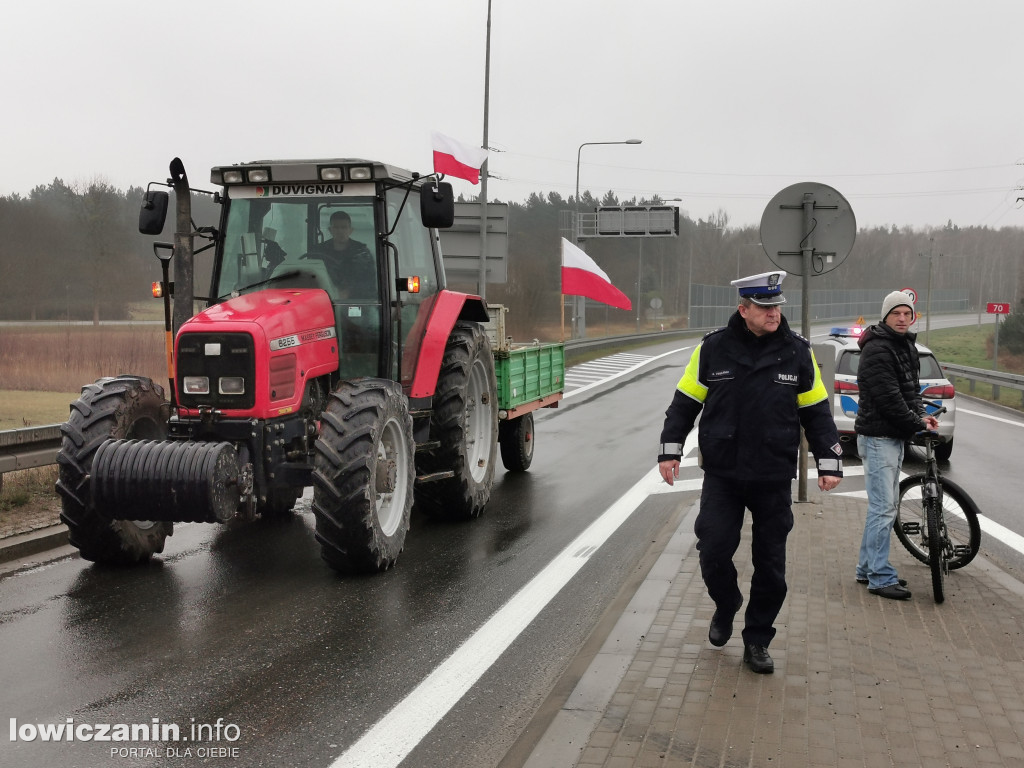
(937, 551)
(959, 512)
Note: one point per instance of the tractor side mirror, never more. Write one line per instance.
(437, 204)
(153, 213)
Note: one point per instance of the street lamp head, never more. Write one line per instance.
(634, 141)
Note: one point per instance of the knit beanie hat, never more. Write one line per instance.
(897, 299)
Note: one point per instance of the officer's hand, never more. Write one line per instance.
(669, 470)
(828, 482)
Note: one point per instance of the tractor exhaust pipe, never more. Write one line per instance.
(167, 480)
(183, 248)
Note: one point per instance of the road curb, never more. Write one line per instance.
(32, 543)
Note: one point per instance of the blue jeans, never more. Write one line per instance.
(882, 458)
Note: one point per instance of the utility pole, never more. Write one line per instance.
(482, 278)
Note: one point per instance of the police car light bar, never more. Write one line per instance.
(850, 331)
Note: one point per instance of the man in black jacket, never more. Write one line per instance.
(349, 262)
(754, 383)
(889, 412)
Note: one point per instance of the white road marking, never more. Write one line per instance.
(994, 418)
(623, 372)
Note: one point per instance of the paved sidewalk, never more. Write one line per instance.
(859, 680)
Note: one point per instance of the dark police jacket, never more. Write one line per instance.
(889, 403)
(755, 394)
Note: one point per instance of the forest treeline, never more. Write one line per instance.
(74, 251)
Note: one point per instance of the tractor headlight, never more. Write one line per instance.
(196, 385)
(231, 385)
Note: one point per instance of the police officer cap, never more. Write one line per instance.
(764, 289)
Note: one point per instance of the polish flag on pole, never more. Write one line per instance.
(455, 159)
(582, 277)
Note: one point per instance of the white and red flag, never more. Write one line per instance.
(456, 159)
(582, 277)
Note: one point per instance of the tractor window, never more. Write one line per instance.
(260, 237)
(415, 259)
(266, 241)
(288, 242)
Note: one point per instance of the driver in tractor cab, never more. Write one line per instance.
(349, 262)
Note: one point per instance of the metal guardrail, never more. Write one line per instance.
(610, 341)
(27, 448)
(37, 446)
(995, 378)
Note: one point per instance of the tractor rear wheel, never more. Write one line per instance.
(363, 476)
(464, 423)
(126, 407)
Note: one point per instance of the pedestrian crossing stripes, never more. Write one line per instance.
(598, 370)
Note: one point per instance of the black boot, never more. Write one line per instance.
(721, 626)
(757, 658)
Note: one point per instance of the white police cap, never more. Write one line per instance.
(764, 289)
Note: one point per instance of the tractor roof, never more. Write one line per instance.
(326, 170)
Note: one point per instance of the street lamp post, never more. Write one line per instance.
(579, 308)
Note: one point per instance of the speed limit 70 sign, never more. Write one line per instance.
(998, 308)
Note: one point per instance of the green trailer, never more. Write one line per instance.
(530, 376)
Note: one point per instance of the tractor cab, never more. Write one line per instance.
(355, 230)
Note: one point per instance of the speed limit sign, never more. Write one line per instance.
(911, 292)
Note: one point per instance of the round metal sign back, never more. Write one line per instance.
(808, 215)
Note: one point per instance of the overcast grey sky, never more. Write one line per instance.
(912, 109)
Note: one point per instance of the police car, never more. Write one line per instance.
(934, 388)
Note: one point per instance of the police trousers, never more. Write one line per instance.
(718, 527)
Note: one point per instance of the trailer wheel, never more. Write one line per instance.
(464, 423)
(515, 437)
(125, 407)
(363, 475)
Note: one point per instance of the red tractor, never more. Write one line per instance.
(330, 353)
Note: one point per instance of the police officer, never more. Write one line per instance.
(757, 383)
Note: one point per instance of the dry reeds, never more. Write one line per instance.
(62, 358)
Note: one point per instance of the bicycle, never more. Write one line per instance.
(936, 520)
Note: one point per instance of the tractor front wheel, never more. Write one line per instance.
(363, 475)
(125, 407)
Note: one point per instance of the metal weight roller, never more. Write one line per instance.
(175, 481)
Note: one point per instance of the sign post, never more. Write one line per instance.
(996, 308)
